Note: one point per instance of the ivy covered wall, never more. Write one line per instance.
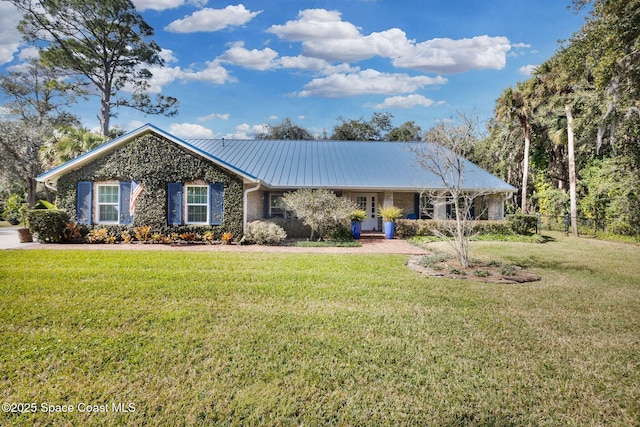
(154, 162)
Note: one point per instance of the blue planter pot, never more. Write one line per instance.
(389, 229)
(356, 228)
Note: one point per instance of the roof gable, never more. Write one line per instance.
(51, 176)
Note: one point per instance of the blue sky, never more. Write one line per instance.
(235, 67)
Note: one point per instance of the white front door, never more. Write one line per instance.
(367, 202)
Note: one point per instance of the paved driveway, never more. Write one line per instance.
(9, 239)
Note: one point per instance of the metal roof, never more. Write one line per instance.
(290, 164)
(338, 165)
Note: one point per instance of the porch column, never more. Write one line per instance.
(495, 210)
(388, 199)
(439, 208)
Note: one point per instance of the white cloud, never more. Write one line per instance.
(212, 19)
(214, 116)
(409, 101)
(527, 70)
(212, 73)
(10, 37)
(253, 59)
(246, 131)
(157, 4)
(190, 130)
(367, 82)
(455, 56)
(315, 24)
(324, 35)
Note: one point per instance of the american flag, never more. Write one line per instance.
(136, 190)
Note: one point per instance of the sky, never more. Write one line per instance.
(236, 67)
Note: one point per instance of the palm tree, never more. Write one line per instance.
(515, 105)
(553, 85)
(68, 143)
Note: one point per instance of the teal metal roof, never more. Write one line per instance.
(290, 164)
(337, 164)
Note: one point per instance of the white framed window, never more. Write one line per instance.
(108, 203)
(197, 204)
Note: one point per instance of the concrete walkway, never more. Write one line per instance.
(9, 239)
(370, 245)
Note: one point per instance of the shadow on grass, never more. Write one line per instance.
(533, 261)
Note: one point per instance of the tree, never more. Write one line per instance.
(408, 131)
(103, 44)
(515, 104)
(319, 209)
(68, 143)
(37, 101)
(554, 85)
(444, 155)
(361, 130)
(608, 48)
(285, 130)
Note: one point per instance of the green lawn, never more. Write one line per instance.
(314, 339)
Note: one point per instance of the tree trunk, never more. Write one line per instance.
(105, 107)
(572, 172)
(525, 167)
(31, 192)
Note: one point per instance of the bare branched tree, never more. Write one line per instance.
(444, 156)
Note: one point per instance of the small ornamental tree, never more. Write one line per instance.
(444, 157)
(320, 209)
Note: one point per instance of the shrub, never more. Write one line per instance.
(98, 235)
(227, 238)
(621, 228)
(48, 225)
(523, 224)
(406, 228)
(142, 233)
(340, 233)
(263, 232)
(13, 209)
(320, 209)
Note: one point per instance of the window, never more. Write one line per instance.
(108, 204)
(197, 204)
(276, 207)
(426, 207)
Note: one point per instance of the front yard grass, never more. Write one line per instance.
(315, 339)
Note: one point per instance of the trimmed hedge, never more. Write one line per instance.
(47, 225)
(429, 227)
(525, 225)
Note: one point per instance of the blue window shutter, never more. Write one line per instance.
(125, 198)
(416, 205)
(84, 202)
(265, 207)
(216, 205)
(174, 214)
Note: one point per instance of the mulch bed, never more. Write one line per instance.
(477, 272)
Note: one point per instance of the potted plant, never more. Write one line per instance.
(357, 217)
(389, 216)
(24, 234)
